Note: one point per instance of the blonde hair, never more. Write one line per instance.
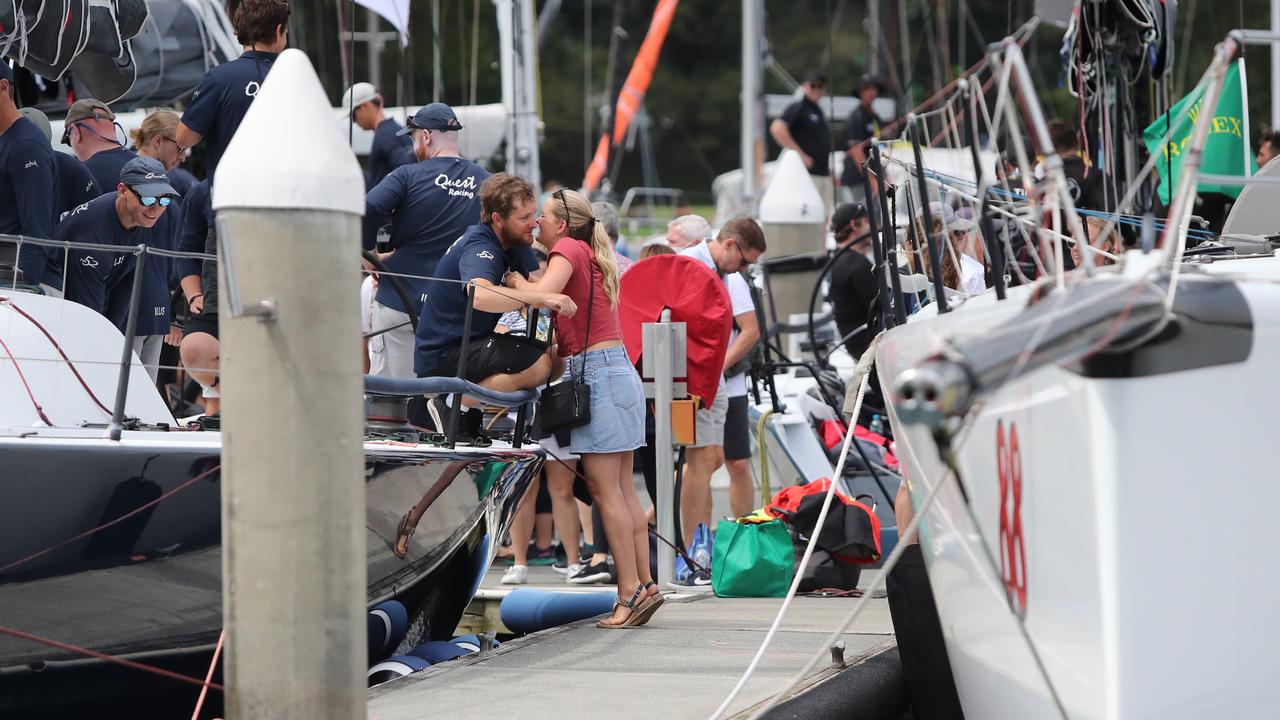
(163, 123)
(585, 227)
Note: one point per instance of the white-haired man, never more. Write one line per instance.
(687, 231)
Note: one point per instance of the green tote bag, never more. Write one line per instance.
(752, 560)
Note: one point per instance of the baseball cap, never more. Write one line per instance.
(436, 116)
(869, 80)
(846, 213)
(815, 76)
(949, 218)
(39, 118)
(357, 95)
(84, 109)
(147, 177)
(6, 72)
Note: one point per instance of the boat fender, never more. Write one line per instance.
(526, 610)
(388, 623)
(438, 651)
(396, 667)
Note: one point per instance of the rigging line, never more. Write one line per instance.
(864, 367)
(109, 658)
(217, 650)
(145, 506)
(22, 376)
(9, 303)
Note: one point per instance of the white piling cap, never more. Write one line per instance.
(287, 153)
(791, 197)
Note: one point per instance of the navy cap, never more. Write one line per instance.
(436, 116)
(847, 213)
(147, 177)
(6, 72)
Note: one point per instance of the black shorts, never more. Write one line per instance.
(493, 354)
(737, 430)
(204, 322)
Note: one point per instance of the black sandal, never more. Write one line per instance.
(403, 532)
(628, 604)
(648, 607)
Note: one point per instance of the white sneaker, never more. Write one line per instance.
(517, 575)
(571, 571)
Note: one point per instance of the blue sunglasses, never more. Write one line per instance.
(148, 201)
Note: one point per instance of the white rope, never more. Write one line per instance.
(864, 369)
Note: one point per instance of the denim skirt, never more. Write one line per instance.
(617, 402)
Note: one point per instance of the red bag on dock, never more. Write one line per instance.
(851, 531)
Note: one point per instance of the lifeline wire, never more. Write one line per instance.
(863, 368)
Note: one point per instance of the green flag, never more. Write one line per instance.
(1224, 150)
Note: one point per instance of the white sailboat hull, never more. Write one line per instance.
(1143, 514)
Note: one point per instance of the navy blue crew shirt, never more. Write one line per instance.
(476, 255)
(76, 185)
(102, 280)
(105, 167)
(27, 174)
(193, 230)
(430, 204)
(389, 152)
(221, 100)
(181, 180)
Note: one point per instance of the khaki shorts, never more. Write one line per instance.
(709, 423)
(391, 353)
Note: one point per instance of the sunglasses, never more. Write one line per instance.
(150, 200)
(567, 215)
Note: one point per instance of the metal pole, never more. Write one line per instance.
(877, 247)
(293, 497)
(664, 453)
(934, 246)
(889, 242)
(116, 428)
(750, 119)
(995, 248)
(374, 46)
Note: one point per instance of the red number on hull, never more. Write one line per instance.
(1013, 558)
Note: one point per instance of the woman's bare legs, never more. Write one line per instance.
(639, 525)
(602, 471)
(563, 507)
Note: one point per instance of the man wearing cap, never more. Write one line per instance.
(90, 130)
(74, 183)
(135, 214)
(853, 282)
(390, 149)
(861, 126)
(802, 127)
(26, 182)
(430, 204)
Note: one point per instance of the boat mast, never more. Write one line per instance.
(752, 71)
(516, 39)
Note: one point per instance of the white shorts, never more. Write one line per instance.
(391, 352)
(554, 450)
(709, 423)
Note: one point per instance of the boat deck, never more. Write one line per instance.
(681, 665)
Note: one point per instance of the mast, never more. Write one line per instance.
(516, 40)
(751, 112)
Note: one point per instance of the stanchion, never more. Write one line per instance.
(662, 361)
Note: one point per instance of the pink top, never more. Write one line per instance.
(604, 317)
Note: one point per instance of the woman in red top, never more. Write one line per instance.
(582, 266)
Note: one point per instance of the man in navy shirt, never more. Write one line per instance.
(390, 149)
(26, 183)
(225, 93)
(483, 256)
(803, 127)
(214, 114)
(73, 186)
(430, 203)
(90, 130)
(199, 284)
(135, 214)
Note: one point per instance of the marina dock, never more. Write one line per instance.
(681, 665)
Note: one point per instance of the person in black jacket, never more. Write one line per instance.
(853, 282)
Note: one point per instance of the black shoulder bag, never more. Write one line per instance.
(567, 405)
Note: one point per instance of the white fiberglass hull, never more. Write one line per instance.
(1143, 516)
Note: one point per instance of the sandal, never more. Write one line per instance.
(403, 532)
(630, 605)
(647, 607)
